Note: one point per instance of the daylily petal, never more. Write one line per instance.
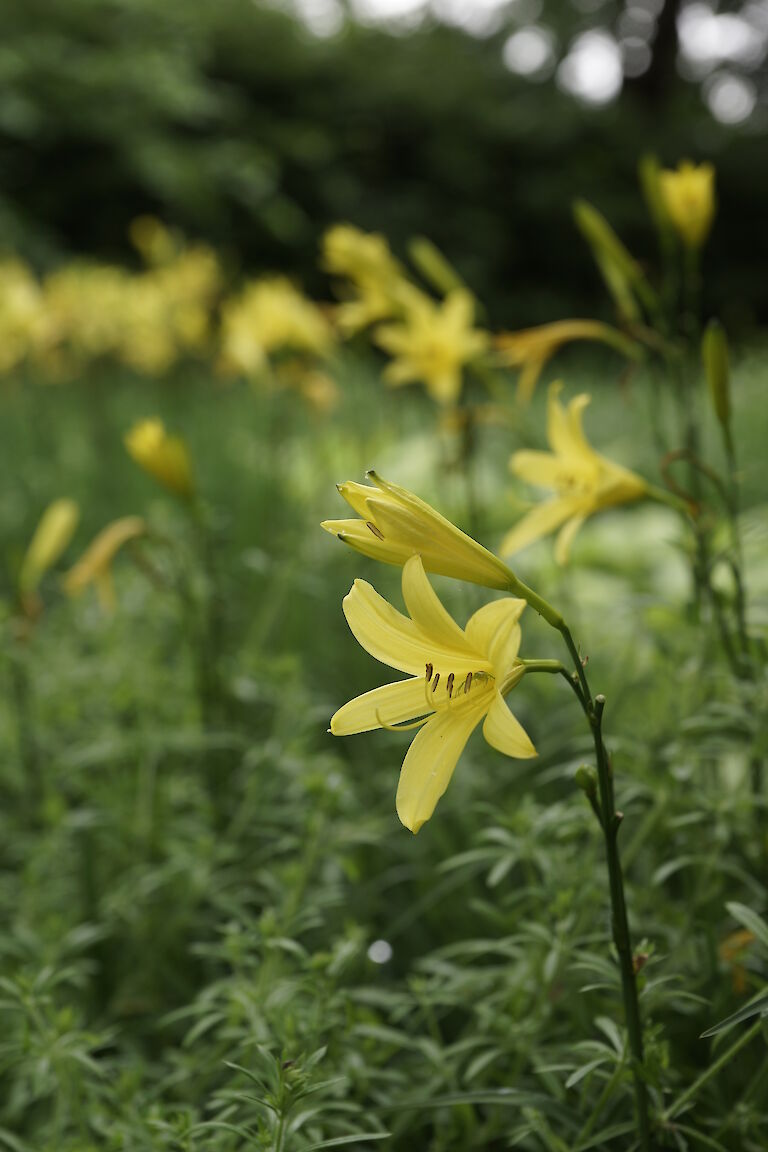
(564, 431)
(390, 704)
(426, 609)
(430, 761)
(492, 626)
(565, 538)
(505, 733)
(356, 495)
(542, 468)
(540, 521)
(358, 535)
(394, 639)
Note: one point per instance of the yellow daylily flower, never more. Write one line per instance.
(584, 481)
(458, 677)
(271, 316)
(395, 525)
(164, 457)
(95, 565)
(531, 348)
(53, 533)
(374, 275)
(432, 343)
(689, 198)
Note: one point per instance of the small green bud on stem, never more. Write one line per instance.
(714, 350)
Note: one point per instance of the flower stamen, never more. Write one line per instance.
(374, 529)
(408, 727)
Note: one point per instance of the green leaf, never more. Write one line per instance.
(756, 1008)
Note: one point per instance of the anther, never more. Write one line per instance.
(468, 683)
(428, 673)
(374, 529)
(436, 681)
(450, 685)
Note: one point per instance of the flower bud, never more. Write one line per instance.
(586, 779)
(714, 350)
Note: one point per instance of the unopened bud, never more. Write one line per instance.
(586, 778)
(714, 350)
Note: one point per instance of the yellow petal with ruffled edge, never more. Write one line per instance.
(389, 705)
(505, 733)
(431, 760)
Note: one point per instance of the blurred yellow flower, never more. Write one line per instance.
(531, 348)
(164, 457)
(397, 525)
(373, 273)
(433, 343)
(270, 316)
(458, 677)
(53, 533)
(689, 198)
(583, 480)
(23, 321)
(95, 565)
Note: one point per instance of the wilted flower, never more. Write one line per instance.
(397, 525)
(531, 348)
(164, 457)
(95, 565)
(689, 198)
(432, 343)
(458, 677)
(583, 480)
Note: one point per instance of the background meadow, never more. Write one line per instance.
(214, 932)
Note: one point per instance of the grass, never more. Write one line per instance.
(189, 890)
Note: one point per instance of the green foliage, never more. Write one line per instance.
(192, 871)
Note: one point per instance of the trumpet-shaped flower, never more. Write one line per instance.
(53, 533)
(396, 525)
(164, 457)
(689, 197)
(433, 343)
(457, 677)
(531, 348)
(583, 480)
(95, 565)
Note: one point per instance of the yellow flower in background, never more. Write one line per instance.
(395, 525)
(689, 198)
(95, 565)
(583, 480)
(374, 276)
(23, 322)
(164, 457)
(531, 348)
(433, 343)
(53, 533)
(271, 316)
(458, 677)
(152, 240)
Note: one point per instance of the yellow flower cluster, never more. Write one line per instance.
(430, 342)
(83, 312)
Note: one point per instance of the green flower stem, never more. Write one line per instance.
(610, 821)
(555, 620)
(620, 923)
(713, 1070)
